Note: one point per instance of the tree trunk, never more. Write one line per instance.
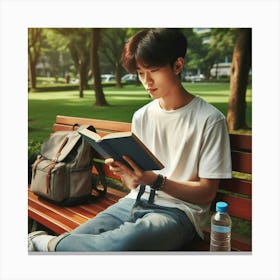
(81, 80)
(99, 95)
(34, 48)
(32, 72)
(240, 67)
(83, 83)
(118, 75)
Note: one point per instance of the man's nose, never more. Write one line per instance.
(148, 79)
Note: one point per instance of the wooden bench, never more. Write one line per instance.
(236, 191)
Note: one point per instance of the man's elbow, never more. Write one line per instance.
(211, 187)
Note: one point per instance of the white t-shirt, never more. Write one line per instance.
(192, 142)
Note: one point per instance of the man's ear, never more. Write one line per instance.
(178, 65)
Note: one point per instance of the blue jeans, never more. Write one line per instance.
(126, 226)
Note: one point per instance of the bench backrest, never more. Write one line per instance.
(236, 191)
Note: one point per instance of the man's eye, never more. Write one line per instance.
(154, 70)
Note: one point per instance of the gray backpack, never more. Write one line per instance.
(62, 172)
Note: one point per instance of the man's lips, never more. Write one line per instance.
(151, 90)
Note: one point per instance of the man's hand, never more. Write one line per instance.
(131, 177)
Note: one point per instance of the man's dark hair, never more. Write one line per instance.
(155, 47)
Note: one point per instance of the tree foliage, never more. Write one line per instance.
(56, 52)
(219, 47)
(78, 42)
(111, 46)
(112, 41)
(196, 51)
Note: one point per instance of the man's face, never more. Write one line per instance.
(158, 81)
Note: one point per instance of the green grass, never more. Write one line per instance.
(44, 106)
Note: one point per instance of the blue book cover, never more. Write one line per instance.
(116, 145)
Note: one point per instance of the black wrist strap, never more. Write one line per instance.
(158, 183)
(155, 187)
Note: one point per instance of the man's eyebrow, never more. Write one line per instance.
(139, 68)
(145, 67)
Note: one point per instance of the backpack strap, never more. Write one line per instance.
(36, 163)
(75, 126)
(102, 178)
(64, 142)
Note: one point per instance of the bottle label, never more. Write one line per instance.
(220, 229)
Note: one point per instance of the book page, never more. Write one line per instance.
(90, 134)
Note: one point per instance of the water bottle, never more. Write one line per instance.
(220, 228)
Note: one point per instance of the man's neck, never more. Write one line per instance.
(176, 100)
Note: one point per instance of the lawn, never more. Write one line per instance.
(44, 106)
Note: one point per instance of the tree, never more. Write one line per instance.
(220, 46)
(240, 67)
(112, 42)
(78, 44)
(207, 48)
(35, 39)
(95, 41)
(196, 51)
(55, 52)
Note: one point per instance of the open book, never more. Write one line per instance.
(116, 145)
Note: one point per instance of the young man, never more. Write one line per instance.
(166, 209)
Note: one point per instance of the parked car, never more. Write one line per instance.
(129, 78)
(74, 81)
(194, 78)
(108, 78)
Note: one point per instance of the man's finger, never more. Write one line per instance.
(134, 166)
(109, 161)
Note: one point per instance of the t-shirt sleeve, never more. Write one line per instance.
(215, 155)
(136, 125)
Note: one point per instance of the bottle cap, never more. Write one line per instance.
(221, 207)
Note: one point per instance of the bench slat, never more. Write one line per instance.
(63, 127)
(53, 210)
(237, 186)
(241, 162)
(50, 219)
(98, 124)
(238, 206)
(241, 142)
(54, 225)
